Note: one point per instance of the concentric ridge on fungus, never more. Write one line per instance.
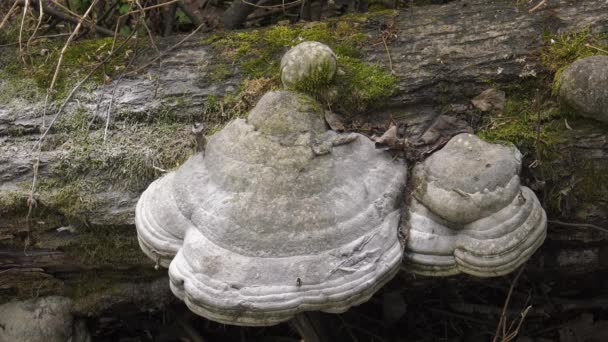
(469, 213)
(278, 216)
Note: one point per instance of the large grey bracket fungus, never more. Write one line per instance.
(279, 216)
(308, 61)
(469, 213)
(584, 86)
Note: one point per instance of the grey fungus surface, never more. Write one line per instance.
(279, 216)
(583, 85)
(469, 213)
(46, 319)
(307, 60)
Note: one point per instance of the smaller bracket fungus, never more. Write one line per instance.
(308, 61)
(278, 217)
(469, 213)
(583, 85)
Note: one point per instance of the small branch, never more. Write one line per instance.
(503, 316)
(151, 7)
(25, 8)
(8, 14)
(537, 7)
(578, 225)
(168, 50)
(59, 15)
(388, 53)
(33, 36)
(595, 48)
(272, 12)
(281, 6)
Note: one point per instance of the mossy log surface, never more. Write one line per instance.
(80, 240)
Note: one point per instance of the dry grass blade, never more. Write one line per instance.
(537, 7)
(8, 15)
(25, 9)
(171, 48)
(595, 48)
(502, 323)
(284, 5)
(33, 36)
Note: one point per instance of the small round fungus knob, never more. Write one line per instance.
(308, 62)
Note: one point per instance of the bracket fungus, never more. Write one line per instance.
(279, 216)
(583, 85)
(469, 213)
(308, 60)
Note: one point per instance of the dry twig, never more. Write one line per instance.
(502, 323)
(578, 225)
(25, 9)
(537, 7)
(8, 15)
(595, 48)
(29, 41)
(171, 48)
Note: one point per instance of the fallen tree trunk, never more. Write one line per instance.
(442, 56)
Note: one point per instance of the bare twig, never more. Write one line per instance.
(503, 316)
(65, 17)
(283, 5)
(25, 9)
(272, 12)
(58, 4)
(119, 19)
(513, 334)
(38, 145)
(168, 50)
(51, 87)
(595, 48)
(8, 14)
(153, 42)
(151, 7)
(109, 110)
(537, 7)
(76, 87)
(388, 54)
(29, 41)
(578, 225)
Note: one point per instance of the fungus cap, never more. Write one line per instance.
(583, 85)
(469, 212)
(308, 61)
(278, 217)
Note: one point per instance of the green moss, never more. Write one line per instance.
(130, 158)
(318, 83)
(12, 202)
(526, 123)
(79, 58)
(561, 50)
(219, 72)
(77, 122)
(16, 87)
(362, 86)
(260, 50)
(107, 246)
(74, 200)
(537, 125)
